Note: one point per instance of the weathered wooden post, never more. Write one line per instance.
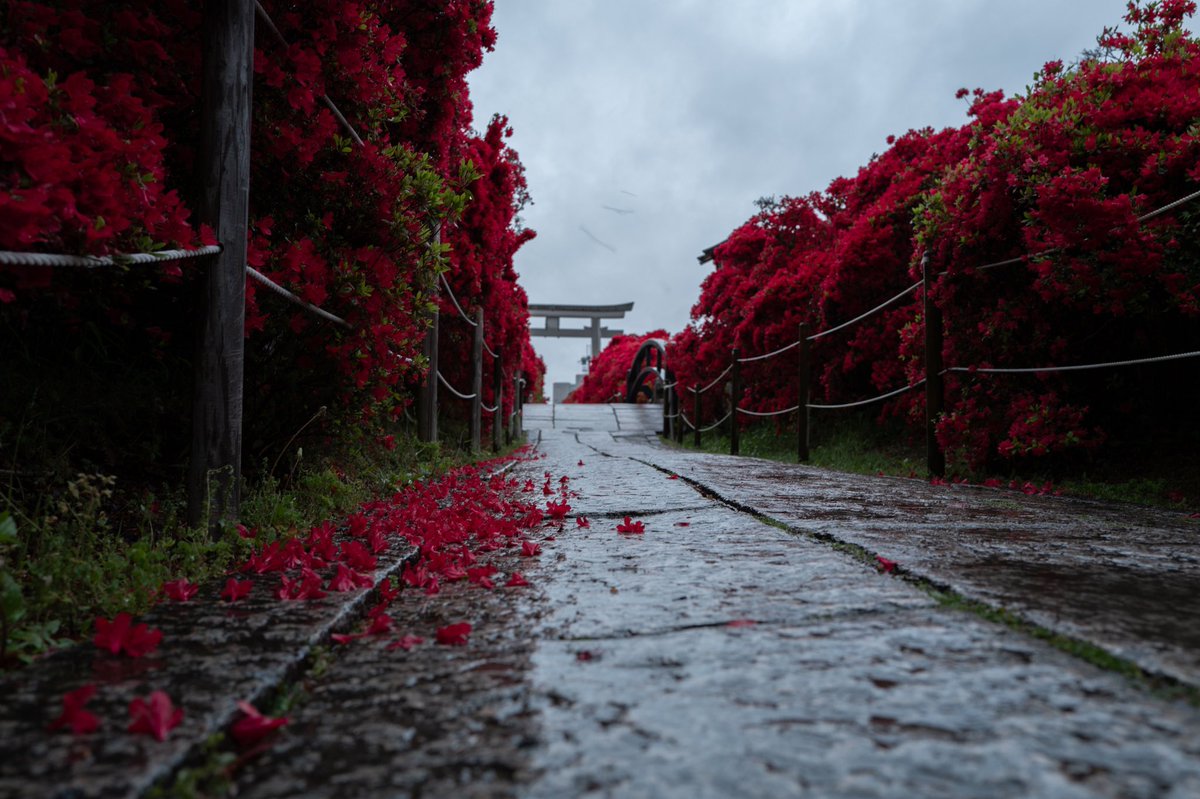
(695, 413)
(735, 392)
(427, 399)
(666, 412)
(215, 467)
(516, 398)
(802, 411)
(934, 383)
(498, 399)
(477, 383)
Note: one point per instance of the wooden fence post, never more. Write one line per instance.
(477, 383)
(497, 398)
(427, 399)
(215, 466)
(735, 392)
(934, 383)
(802, 411)
(696, 413)
(666, 413)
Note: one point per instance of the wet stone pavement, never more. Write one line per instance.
(713, 655)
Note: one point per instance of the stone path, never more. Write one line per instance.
(714, 655)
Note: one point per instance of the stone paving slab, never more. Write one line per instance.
(848, 683)
(432, 721)
(1123, 577)
(212, 655)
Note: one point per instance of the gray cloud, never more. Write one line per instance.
(696, 108)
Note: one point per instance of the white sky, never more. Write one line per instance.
(678, 114)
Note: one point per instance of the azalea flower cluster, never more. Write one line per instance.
(1058, 177)
(605, 380)
(98, 120)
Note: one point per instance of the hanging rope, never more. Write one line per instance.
(282, 292)
(454, 300)
(772, 413)
(9, 258)
(718, 380)
(453, 390)
(862, 316)
(1078, 367)
(868, 401)
(779, 351)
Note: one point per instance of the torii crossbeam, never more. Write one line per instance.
(554, 313)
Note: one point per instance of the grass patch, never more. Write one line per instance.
(89, 546)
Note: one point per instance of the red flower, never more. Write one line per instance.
(516, 580)
(885, 565)
(406, 642)
(381, 624)
(631, 527)
(672, 477)
(155, 717)
(74, 715)
(180, 590)
(344, 638)
(557, 510)
(581, 463)
(253, 726)
(348, 580)
(387, 591)
(481, 576)
(683, 524)
(529, 549)
(454, 634)
(120, 634)
(236, 589)
(582, 521)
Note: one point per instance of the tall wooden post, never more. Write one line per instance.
(802, 411)
(666, 412)
(215, 467)
(497, 399)
(477, 383)
(735, 393)
(934, 384)
(427, 399)
(696, 414)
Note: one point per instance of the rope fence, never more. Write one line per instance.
(934, 371)
(9, 258)
(453, 390)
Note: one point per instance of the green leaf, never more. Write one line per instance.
(8, 528)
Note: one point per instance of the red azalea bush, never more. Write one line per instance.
(99, 122)
(1059, 176)
(605, 380)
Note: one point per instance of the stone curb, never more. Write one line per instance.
(212, 654)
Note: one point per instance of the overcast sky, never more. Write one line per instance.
(649, 127)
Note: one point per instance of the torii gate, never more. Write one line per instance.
(554, 313)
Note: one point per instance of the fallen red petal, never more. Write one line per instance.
(155, 716)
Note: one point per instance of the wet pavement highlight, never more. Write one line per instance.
(713, 654)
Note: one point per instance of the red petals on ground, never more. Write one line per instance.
(630, 527)
(253, 726)
(180, 590)
(885, 565)
(454, 634)
(557, 510)
(406, 642)
(119, 635)
(236, 589)
(672, 477)
(347, 579)
(683, 524)
(582, 521)
(74, 716)
(155, 715)
(516, 580)
(530, 549)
